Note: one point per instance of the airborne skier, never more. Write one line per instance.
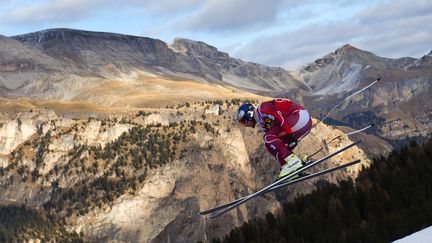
(284, 123)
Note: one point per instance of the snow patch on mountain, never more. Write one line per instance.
(348, 81)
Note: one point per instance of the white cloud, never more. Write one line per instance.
(296, 48)
(225, 15)
(286, 33)
(58, 11)
(396, 33)
(400, 9)
(165, 7)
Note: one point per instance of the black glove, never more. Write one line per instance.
(292, 141)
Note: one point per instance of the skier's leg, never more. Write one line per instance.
(289, 162)
(275, 145)
(300, 122)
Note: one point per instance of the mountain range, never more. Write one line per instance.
(69, 64)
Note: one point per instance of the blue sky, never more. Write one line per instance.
(285, 33)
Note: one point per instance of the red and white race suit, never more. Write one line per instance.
(280, 115)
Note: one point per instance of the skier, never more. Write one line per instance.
(284, 122)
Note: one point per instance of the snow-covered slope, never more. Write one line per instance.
(422, 236)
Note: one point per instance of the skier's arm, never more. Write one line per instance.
(283, 124)
(291, 136)
(282, 134)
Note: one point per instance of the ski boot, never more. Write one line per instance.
(293, 163)
(306, 160)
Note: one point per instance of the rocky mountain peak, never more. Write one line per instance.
(346, 48)
(345, 54)
(338, 54)
(349, 50)
(197, 48)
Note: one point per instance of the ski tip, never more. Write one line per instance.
(378, 79)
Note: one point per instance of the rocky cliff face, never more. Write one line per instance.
(216, 163)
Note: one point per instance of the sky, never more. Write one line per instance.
(281, 33)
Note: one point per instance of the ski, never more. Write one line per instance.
(298, 180)
(310, 176)
(228, 206)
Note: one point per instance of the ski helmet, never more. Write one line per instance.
(245, 113)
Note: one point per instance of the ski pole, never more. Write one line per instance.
(338, 137)
(336, 106)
